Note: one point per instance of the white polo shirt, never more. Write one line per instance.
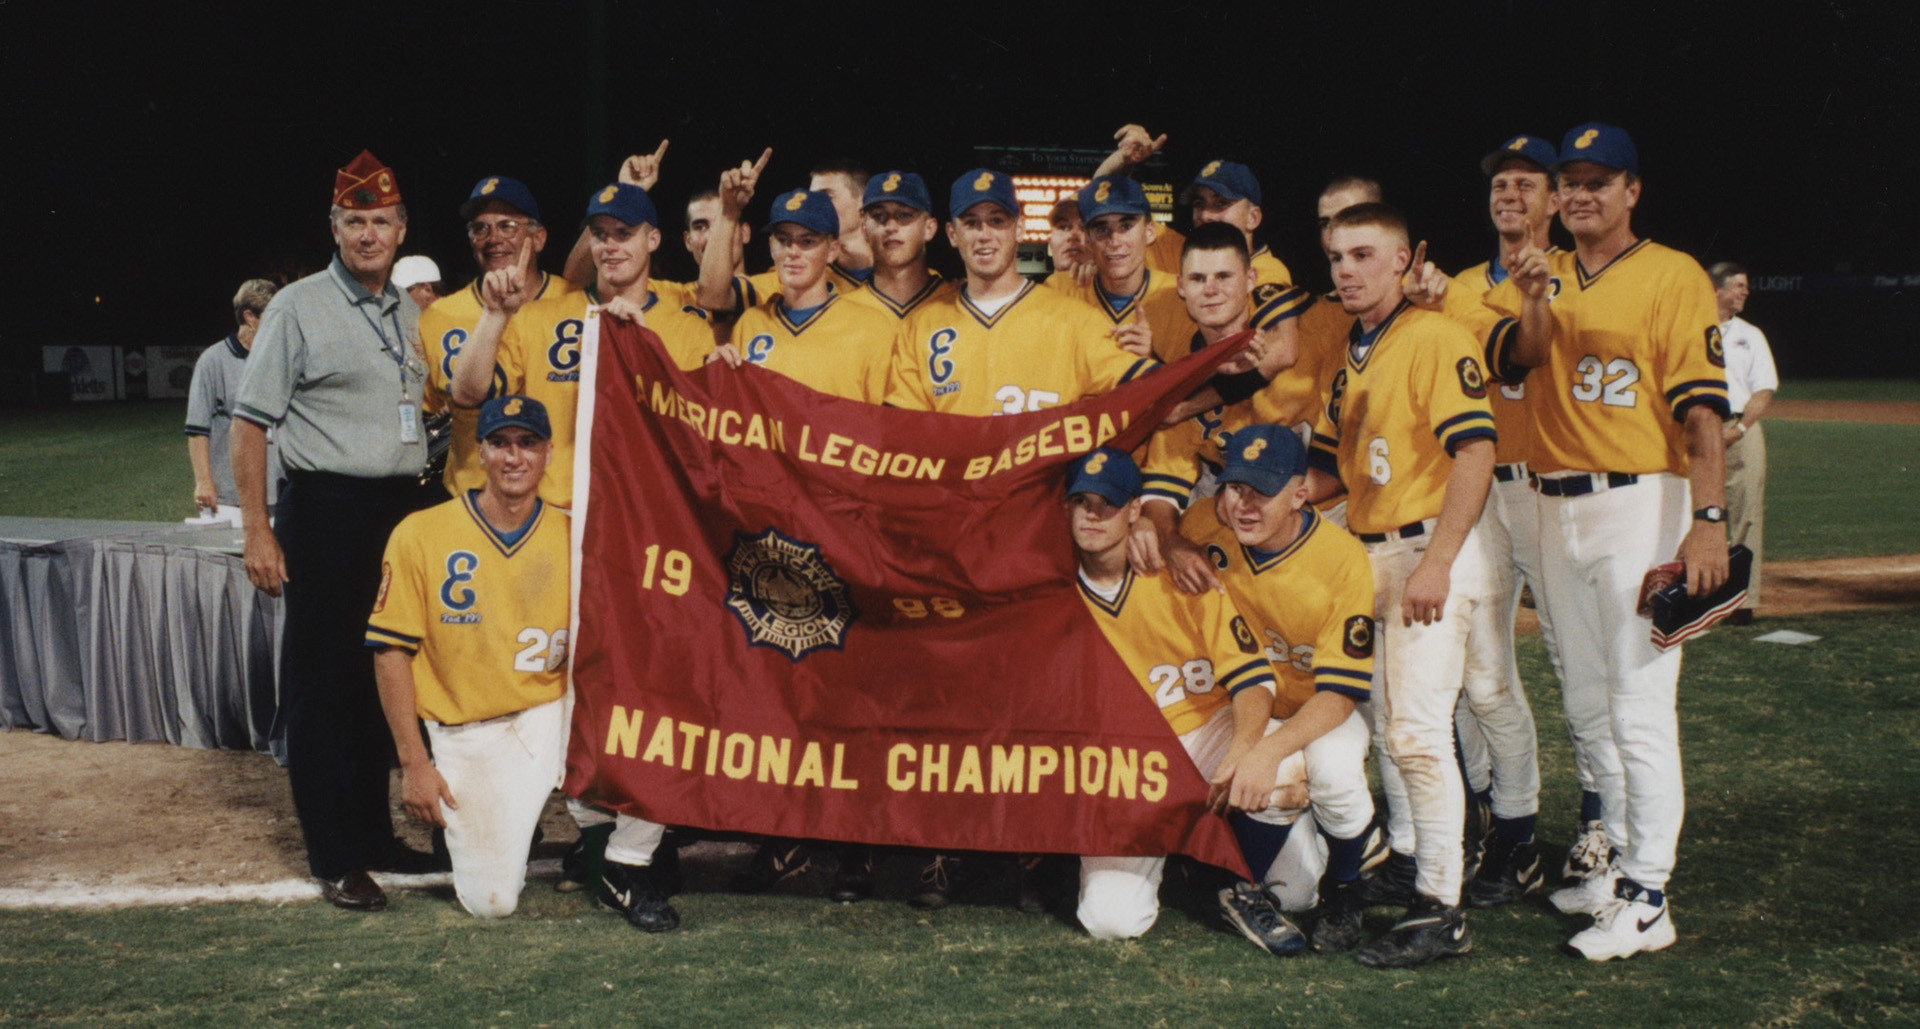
(1749, 362)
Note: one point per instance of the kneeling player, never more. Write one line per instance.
(1305, 586)
(1198, 660)
(471, 626)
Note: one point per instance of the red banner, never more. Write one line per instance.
(812, 617)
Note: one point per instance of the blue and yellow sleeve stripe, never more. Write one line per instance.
(1463, 427)
(1348, 682)
(1324, 455)
(1139, 368)
(1171, 487)
(378, 637)
(1711, 392)
(1290, 303)
(1257, 672)
(1498, 355)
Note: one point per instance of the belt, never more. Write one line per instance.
(1581, 484)
(1409, 531)
(1510, 472)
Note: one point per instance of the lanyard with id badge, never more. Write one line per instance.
(409, 412)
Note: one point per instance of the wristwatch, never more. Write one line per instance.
(1711, 513)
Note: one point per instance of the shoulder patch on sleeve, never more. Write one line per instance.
(1716, 348)
(1357, 640)
(1266, 292)
(1473, 381)
(1244, 636)
(386, 580)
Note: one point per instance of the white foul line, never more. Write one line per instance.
(284, 891)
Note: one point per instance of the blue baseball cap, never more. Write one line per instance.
(982, 186)
(1526, 148)
(625, 203)
(898, 187)
(810, 209)
(1112, 194)
(511, 410)
(1106, 473)
(1230, 180)
(511, 192)
(1265, 457)
(1605, 145)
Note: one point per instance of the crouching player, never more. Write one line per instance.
(1305, 586)
(471, 626)
(1193, 655)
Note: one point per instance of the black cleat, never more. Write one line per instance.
(1479, 830)
(1430, 931)
(1251, 910)
(1390, 884)
(774, 863)
(1510, 871)
(1338, 928)
(854, 881)
(630, 890)
(580, 866)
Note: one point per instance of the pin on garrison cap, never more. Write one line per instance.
(511, 192)
(1533, 149)
(1231, 180)
(811, 209)
(1106, 473)
(510, 411)
(1265, 457)
(625, 203)
(365, 185)
(1595, 142)
(1112, 194)
(982, 186)
(897, 187)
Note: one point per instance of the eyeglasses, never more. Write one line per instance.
(508, 229)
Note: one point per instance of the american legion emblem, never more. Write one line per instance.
(785, 596)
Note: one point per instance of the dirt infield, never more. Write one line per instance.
(77, 815)
(1887, 412)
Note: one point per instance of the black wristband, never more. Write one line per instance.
(1239, 385)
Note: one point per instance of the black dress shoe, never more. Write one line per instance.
(355, 891)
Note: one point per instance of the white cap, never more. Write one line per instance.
(414, 269)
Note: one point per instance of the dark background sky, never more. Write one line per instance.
(158, 158)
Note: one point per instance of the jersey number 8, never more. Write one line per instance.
(1171, 683)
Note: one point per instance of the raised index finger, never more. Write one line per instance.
(526, 253)
(761, 164)
(661, 150)
(1419, 258)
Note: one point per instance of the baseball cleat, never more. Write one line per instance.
(1627, 925)
(936, 884)
(580, 865)
(853, 881)
(1390, 883)
(1589, 851)
(1341, 907)
(774, 863)
(630, 890)
(1587, 896)
(1509, 871)
(1478, 832)
(1430, 931)
(1251, 910)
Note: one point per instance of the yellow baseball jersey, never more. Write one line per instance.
(848, 280)
(1464, 303)
(1062, 281)
(1176, 455)
(445, 327)
(540, 358)
(1268, 268)
(1191, 654)
(1636, 344)
(844, 347)
(937, 288)
(1408, 394)
(753, 290)
(1311, 603)
(1163, 255)
(675, 294)
(1040, 349)
(1157, 305)
(484, 613)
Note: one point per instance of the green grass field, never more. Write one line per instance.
(1792, 900)
(1851, 389)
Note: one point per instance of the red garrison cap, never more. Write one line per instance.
(365, 185)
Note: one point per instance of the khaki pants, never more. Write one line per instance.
(1746, 499)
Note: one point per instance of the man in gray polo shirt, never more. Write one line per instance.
(216, 376)
(336, 370)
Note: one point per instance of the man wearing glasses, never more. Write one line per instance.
(500, 214)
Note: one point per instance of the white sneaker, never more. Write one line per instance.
(1588, 896)
(1588, 853)
(1625, 928)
